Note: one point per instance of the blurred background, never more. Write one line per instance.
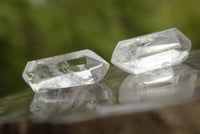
(34, 29)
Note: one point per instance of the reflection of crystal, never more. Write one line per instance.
(163, 84)
(73, 69)
(153, 51)
(74, 99)
(194, 59)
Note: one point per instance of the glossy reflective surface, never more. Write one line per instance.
(118, 93)
(75, 100)
(173, 82)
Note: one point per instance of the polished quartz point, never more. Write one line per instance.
(172, 83)
(68, 70)
(71, 100)
(152, 51)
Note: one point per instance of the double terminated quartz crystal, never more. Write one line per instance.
(69, 70)
(152, 51)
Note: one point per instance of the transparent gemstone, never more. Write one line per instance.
(71, 100)
(167, 84)
(152, 51)
(68, 70)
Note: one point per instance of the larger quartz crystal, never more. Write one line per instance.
(69, 70)
(152, 51)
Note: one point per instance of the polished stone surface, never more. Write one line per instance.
(152, 51)
(73, 69)
(174, 82)
(83, 99)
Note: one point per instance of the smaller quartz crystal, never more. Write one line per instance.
(152, 51)
(68, 70)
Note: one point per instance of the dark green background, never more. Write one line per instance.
(33, 29)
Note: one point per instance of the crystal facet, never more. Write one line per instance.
(152, 51)
(176, 82)
(69, 70)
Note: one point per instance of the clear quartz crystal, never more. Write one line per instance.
(162, 84)
(152, 51)
(72, 69)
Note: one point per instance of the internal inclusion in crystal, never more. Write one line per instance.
(73, 69)
(152, 51)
